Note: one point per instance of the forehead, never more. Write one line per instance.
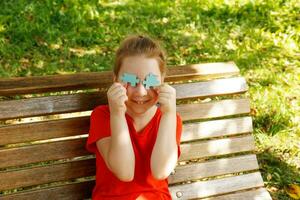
(140, 66)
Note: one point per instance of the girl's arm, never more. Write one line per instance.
(164, 154)
(117, 151)
(121, 156)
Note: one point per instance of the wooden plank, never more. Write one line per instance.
(42, 152)
(47, 174)
(211, 88)
(73, 148)
(256, 194)
(44, 130)
(39, 84)
(50, 105)
(213, 168)
(72, 191)
(83, 191)
(80, 125)
(216, 147)
(208, 110)
(204, 110)
(216, 128)
(87, 101)
(76, 169)
(215, 187)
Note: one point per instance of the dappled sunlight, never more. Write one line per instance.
(218, 146)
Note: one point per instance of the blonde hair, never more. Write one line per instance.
(134, 45)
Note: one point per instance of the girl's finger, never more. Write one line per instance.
(114, 87)
(118, 92)
(163, 100)
(123, 98)
(166, 95)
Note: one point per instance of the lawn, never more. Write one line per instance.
(261, 36)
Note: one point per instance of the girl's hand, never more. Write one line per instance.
(117, 96)
(166, 98)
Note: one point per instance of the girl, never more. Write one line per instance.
(136, 137)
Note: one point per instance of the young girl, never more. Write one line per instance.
(136, 137)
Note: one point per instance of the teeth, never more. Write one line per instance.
(140, 102)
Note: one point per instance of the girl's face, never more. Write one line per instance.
(140, 99)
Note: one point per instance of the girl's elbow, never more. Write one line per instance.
(159, 172)
(125, 174)
(126, 177)
(160, 176)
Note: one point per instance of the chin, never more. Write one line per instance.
(140, 109)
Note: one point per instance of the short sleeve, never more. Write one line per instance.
(178, 133)
(99, 127)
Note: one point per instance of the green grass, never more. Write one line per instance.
(262, 37)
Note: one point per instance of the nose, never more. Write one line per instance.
(141, 90)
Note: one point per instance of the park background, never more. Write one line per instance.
(261, 36)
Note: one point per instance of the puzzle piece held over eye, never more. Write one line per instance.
(151, 80)
(130, 78)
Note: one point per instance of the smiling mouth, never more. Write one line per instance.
(140, 102)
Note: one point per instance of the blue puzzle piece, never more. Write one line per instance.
(130, 78)
(151, 80)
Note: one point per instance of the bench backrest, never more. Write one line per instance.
(45, 121)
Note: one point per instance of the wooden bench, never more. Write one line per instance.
(45, 121)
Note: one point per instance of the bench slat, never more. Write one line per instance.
(39, 84)
(87, 101)
(77, 169)
(208, 110)
(47, 174)
(216, 147)
(256, 194)
(50, 105)
(27, 132)
(73, 191)
(80, 125)
(42, 152)
(83, 191)
(73, 148)
(211, 88)
(216, 128)
(214, 168)
(205, 110)
(214, 187)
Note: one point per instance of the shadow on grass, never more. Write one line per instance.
(277, 174)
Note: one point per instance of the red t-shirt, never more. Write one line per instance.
(144, 186)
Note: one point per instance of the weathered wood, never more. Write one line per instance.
(87, 101)
(213, 109)
(73, 191)
(42, 152)
(203, 110)
(76, 169)
(80, 125)
(39, 84)
(255, 194)
(73, 148)
(216, 147)
(47, 174)
(213, 168)
(27, 132)
(211, 88)
(214, 187)
(50, 105)
(216, 128)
